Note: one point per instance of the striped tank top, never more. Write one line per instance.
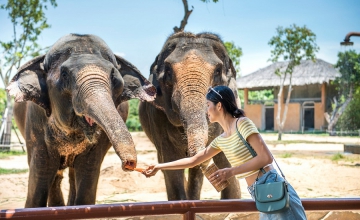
(233, 147)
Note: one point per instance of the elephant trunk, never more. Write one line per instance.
(96, 105)
(195, 122)
(193, 75)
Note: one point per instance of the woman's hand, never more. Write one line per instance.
(151, 171)
(221, 175)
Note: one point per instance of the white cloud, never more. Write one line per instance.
(253, 61)
(122, 54)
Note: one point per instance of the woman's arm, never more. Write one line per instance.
(262, 159)
(188, 162)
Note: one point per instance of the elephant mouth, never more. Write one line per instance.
(89, 120)
(87, 126)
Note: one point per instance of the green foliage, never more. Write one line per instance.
(350, 119)
(2, 101)
(263, 95)
(337, 157)
(28, 19)
(345, 104)
(241, 97)
(349, 66)
(6, 154)
(12, 171)
(293, 44)
(133, 121)
(235, 53)
(286, 155)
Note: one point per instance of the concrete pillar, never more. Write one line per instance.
(323, 96)
(246, 96)
(323, 102)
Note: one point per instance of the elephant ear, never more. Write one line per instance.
(231, 71)
(135, 84)
(231, 74)
(29, 84)
(153, 76)
(159, 101)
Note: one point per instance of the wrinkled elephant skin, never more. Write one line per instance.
(71, 108)
(176, 121)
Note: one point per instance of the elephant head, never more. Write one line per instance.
(79, 83)
(186, 67)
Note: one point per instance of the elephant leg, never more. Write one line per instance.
(233, 190)
(87, 171)
(194, 183)
(41, 176)
(72, 189)
(55, 194)
(174, 179)
(174, 182)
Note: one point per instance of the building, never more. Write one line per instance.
(310, 97)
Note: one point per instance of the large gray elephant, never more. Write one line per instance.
(176, 122)
(70, 102)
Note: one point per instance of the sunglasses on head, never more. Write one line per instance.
(211, 89)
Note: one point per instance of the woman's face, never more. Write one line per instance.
(212, 112)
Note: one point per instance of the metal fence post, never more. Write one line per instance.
(189, 215)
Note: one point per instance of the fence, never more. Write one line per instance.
(344, 133)
(186, 208)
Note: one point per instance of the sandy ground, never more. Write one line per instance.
(308, 167)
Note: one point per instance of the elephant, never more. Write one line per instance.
(176, 121)
(71, 106)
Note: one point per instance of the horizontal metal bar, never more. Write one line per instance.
(167, 207)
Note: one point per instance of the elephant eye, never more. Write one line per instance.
(64, 74)
(167, 70)
(218, 69)
(168, 75)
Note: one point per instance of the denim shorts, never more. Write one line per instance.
(294, 212)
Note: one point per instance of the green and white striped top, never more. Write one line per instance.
(233, 147)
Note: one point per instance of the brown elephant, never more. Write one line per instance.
(176, 122)
(70, 102)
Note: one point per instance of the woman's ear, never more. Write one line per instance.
(219, 106)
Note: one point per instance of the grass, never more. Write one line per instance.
(337, 157)
(286, 155)
(12, 171)
(6, 154)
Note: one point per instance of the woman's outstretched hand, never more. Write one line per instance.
(150, 171)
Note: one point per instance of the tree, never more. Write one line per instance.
(234, 53)
(28, 21)
(2, 101)
(349, 66)
(187, 14)
(350, 119)
(292, 44)
(133, 121)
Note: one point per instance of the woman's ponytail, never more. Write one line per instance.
(238, 113)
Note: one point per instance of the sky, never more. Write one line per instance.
(137, 29)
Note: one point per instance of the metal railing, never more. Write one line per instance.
(186, 208)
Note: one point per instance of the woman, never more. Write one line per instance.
(222, 108)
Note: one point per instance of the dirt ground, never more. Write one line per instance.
(307, 166)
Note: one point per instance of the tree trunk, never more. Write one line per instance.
(278, 120)
(6, 126)
(335, 117)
